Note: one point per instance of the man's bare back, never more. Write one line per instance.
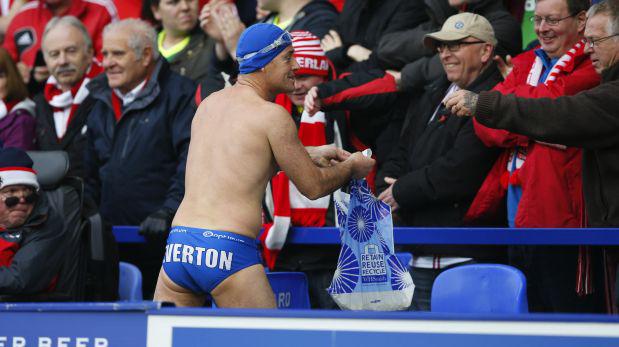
(239, 138)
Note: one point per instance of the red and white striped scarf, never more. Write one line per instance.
(290, 207)
(564, 61)
(61, 102)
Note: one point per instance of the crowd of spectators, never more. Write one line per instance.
(118, 94)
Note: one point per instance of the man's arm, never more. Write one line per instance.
(588, 119)
(312, 181)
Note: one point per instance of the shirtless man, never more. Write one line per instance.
(239, 139)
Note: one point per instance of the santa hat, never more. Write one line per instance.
(16, 168)
(309, 55)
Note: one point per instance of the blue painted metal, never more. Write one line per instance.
(453, 236)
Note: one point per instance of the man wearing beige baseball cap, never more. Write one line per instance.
(432, 177)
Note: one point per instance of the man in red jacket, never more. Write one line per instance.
(23, 37)
(541, 182)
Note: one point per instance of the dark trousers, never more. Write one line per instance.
(551, 278)
(424, 280)
(148, 257)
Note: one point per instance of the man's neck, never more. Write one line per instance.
(60, 8)
(258, 85)
(290, 9)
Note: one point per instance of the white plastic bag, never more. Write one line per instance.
(368, 276)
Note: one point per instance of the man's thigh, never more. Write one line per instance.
(247, 288)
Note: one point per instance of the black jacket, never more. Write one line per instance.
(41, 249)
(439, 165)
(74, 140)
(193, 60)
(137, 165)
(420, 71)
(364, 22)
(589, 120)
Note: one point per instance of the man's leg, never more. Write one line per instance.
(168, 291)
(247, 288)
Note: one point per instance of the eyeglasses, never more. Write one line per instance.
(12, 201)
(595, 42)
(537, 20)
(283, 39)
(455, 45)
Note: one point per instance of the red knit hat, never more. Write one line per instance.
(310, 56)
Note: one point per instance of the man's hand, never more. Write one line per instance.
(230, 26)
(505, 66)
(387, 195)
(327, 155)
(313, 104)
(361, 165)
(331, 41)
(462, 103)
(24, 71)
(157, 225)
(397, 75)
(207, 22)
(358, 53)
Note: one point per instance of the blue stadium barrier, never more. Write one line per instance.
(150, 325)
(453, 236)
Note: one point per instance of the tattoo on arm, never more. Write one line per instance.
(470, 101)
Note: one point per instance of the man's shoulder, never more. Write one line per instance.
(26, 14)
(99, 7)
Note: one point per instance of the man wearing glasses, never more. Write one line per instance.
(32, 234)
(239, 140)
(540, 182)
(417, 180)
(587, 120)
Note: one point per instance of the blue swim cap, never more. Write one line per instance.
(259, 44)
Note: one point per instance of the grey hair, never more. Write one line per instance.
(68, 21)
(141, 35)
(609, 8)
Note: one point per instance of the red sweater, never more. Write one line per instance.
(23, 37)
(550, 177)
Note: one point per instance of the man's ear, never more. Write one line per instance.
(581, 20)
(486, 53)
(147, 55)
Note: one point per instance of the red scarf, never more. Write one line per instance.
(290, 207)
(60, 101)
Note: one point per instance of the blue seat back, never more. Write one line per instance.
(129, 283)
(480, 288)
(405, 258)
(290, 289)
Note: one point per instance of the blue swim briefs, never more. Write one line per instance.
(199, 259)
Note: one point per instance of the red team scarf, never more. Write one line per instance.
(290, 207)
(60, 101)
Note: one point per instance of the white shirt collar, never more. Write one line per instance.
(129, 97)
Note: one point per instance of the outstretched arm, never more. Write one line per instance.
(311, 180)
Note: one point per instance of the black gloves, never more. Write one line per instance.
(157, 225)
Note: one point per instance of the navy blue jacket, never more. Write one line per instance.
(137, 165)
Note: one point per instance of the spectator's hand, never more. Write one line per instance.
(40, 73)
(462, 103)
(312, 104)
(260, 13)
(207, 22)
(361, 165)
(331, 41)
(505, 66)
(358, 53)
(327, 155)
(157, 225)
(24, 71)
(397, 75)
(387, 195)
(230, 26)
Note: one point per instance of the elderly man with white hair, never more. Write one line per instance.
(138, 135)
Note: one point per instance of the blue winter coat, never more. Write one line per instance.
(137, 165)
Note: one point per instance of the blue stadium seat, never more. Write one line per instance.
(405, 258)
(290, 289)
(129, 283)
(480, 288)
